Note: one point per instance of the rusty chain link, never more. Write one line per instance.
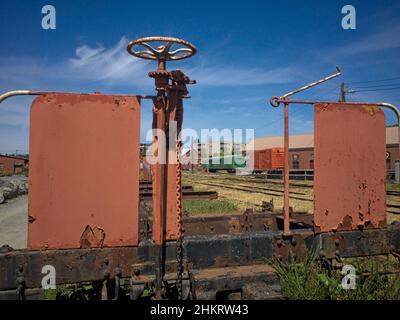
(179, 241)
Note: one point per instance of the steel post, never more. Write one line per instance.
(286, 230)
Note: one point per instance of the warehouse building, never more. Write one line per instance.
(12, 164)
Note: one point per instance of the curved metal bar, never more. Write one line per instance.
(338, 73)
(146, 45)
(180, 50)
(13, 93)
(397, 111)
(274, 101)
(394, 109)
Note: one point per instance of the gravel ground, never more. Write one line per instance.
(14, 222)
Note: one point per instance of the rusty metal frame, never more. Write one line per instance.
(81, 265)
(276, 101)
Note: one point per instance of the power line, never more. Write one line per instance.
(386, 89)
(379, 80)
(377, 86)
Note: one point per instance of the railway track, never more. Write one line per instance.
(275, 192)
(268, 189)
(250, 190)
(280, 183)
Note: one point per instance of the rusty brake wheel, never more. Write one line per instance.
(162, 52)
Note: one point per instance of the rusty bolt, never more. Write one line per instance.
(212, 228)
(279, 243)
(337, 242)
(337, 253)
(136, 271)
(322, 253)
(294, 242)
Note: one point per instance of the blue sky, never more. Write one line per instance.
(248, 51)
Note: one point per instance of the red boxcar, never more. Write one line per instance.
(268, 159)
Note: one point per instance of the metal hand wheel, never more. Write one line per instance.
(162, 52)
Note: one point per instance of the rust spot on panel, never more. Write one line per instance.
(371, 110)
(346, 224)
(92, 237)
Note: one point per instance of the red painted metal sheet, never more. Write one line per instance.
(277, 158)
(269, 159)
(84, 171)
(350, 168)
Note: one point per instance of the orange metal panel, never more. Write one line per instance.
(277, 158)
(84, 171)
(350, 169)
(269, 159)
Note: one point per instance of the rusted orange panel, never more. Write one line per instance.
(272, 158)
(84, 171)
(350, 168)
(171, 227)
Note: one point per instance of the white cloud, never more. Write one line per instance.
(114, 65)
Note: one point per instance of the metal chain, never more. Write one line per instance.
(179, 241)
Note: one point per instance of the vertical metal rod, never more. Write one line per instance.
(160, 246)
(286, 221)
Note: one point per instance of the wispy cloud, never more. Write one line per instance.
(94, 65)
(114, 65)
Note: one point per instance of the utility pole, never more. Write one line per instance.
(342, 97)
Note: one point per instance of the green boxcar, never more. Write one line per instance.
(228, 163)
